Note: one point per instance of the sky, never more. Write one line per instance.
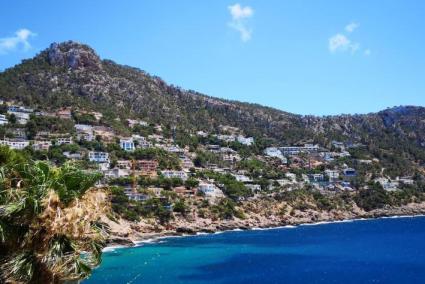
(307, 57)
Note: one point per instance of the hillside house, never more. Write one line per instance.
(19, 133)
(41, 145)
(147, 167)
(210, 190)
(248, 141)
(127, 144)
(98, 157)
(116, 173)
(141, 141)
(226, 138)
(316, 177)
(186, 162)
(64, 113)
(63, 140)
(202, 134)
(333, 175)
(15, 144)
(295, 150)
(73, 156)
(3, 119)
(174, 174)
(242, 178)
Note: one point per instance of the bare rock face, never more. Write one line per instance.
(73, 55)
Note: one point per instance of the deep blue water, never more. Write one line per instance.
(388, 250)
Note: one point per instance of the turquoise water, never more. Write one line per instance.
(388, 250)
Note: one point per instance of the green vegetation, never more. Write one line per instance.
(231, 187)
(226, 209)
(48, 124)
(48, 218)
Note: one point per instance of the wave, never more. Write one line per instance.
(112, 248)
(274, 228)
(401, 216)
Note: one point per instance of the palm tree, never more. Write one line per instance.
(50, 228)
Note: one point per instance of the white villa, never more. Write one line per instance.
(332, 174)
(276, 153)
(127, 144)
(99, 157)
(15, 144)
(174, 174)
(294, 150)
(245, 140)
(210, 190)
(3, 119)
(63, 140)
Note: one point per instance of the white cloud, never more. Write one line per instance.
(20, 39)
(240, 15)
(351, 27)
(340, 42)
(238, 12)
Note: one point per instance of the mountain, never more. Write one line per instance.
(72, 74)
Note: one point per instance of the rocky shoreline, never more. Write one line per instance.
(124, 233)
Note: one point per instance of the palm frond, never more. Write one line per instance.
(19, 267)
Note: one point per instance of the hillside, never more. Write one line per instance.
(72, 74)
(95, 153)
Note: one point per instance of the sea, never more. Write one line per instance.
(385, 250)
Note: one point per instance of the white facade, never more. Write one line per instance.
(332, 174)
(99, 157)
(316, 177)
(141, 141)
(231, 157)
(3, 119)
(209, 189)
(85, 136)
(388, 184)
(291, 176)
(202, 133)
(116, 173)
(275, 153)
(15, 144)
(21, 113)
(245, 140)
(83, 128)
(294, 150)
(242, 178)
(73, 156)
(226, 138)
(174, 174)
(174, 149)
(21, 117)
(22, 109)
(254, 187)
(63, 140)
(127, 144)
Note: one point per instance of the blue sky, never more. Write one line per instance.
(307, 57)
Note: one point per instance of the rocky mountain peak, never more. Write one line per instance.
(73, 55)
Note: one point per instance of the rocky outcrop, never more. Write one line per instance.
(73, 55)
(149, 229)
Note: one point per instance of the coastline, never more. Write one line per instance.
(140, 238)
